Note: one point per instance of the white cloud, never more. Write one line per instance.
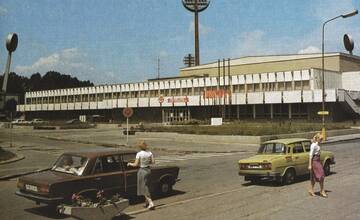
(258, 42)
(202, 28)
(3, 11)
(67, 61)
(309, 49)
(163, 53)
(253, 43)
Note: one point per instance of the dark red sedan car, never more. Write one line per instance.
(92, 170)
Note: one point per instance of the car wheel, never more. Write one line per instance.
(165, 187)
(327, 168)
(289, 177)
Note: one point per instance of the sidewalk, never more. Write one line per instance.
(340, 138)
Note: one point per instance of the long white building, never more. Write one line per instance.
(285, 86)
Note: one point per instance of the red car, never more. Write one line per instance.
(105, 169)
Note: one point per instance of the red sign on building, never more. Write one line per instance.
(178, 99)
(216, 93)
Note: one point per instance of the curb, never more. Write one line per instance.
(343, 140)
(11, 176)
(17, 158)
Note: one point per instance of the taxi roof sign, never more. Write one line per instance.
(323, 113)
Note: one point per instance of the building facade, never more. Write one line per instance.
(270, 87)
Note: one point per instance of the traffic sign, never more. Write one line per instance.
(323, 113)
(128, 112)
(161, 99)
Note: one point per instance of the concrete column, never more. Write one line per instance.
(271, 111)
(254, 111)
(308, 111)
(238, 112)
(290, 111)
(162, 116)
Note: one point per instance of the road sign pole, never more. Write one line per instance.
(127, 131)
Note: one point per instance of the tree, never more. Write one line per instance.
(51, 80)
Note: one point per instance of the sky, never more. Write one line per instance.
(119, 41)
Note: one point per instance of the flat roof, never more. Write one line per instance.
(267, 59)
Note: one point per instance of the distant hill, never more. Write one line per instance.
(51, 80)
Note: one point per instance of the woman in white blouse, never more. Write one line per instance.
(315, 166)
(143, 160)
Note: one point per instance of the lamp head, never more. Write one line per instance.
(350, 14)
(11, 42)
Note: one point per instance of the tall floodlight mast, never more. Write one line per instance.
(196, 6)
(11, 45)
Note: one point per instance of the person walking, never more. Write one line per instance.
(315, 167)
(143, 160)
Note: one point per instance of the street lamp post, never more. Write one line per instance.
(355, 12)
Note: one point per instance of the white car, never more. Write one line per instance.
(37, 121)
(18, 121)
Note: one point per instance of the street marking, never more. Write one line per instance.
(189, 200)
(194, 156)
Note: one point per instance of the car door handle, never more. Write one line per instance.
(296, 157)
(98, 178)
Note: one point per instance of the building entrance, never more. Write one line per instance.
(175, 115)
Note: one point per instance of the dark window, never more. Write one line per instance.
(128, 158)
(110, 164)
(98, 166)
(272, 148)
(307, 145)
(298, 148)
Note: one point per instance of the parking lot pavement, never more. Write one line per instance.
(170, 142)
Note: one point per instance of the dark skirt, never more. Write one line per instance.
(143, 182)
(317, 172)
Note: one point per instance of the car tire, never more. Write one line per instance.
(289, 177)
(327, 168)
(254, 180)
(165, 187)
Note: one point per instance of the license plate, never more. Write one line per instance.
(31, 188)
(254, 166)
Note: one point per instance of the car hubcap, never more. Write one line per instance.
(164, 188)
(290, 177)
(327, 169)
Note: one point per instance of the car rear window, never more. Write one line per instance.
(272, 148)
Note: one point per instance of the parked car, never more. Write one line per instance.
(104, 169)
(18, 121)
(282, 160)
(37, 121)
(73, 121)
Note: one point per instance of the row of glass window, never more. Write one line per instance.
(277, 86)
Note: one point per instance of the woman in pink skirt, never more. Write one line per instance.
(315, 166)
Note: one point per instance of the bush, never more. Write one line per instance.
(249, 128)
(44, 127)
(78, 126)
(6, 155)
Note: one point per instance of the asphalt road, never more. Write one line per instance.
(211, 189)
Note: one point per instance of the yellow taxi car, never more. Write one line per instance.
(282, 160)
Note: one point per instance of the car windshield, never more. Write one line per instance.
(272, 148)
(71, 164)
